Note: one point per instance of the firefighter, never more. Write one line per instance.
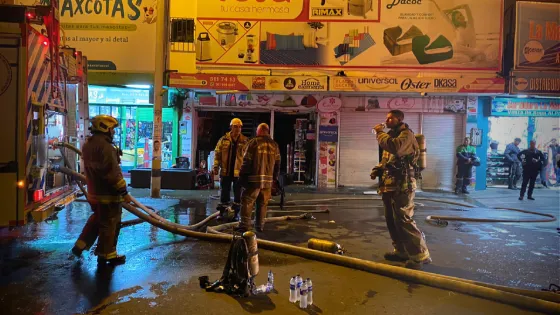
(397, 188)
(260, 169)
(466, 157)
(532, 160)
(227, 162)
(106, 191)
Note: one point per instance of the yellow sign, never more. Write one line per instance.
(250, 9)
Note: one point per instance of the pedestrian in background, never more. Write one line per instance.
(510, 154)
(260, 169)
(397, 190)
(466, 158)
(532, 161)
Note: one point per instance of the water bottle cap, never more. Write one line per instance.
(308, 279)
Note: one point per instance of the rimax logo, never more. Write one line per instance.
(327, 12)
(521, 84)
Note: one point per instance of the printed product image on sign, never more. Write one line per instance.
(116, 35)
(537, 43)
(344, 10)
(442, 34)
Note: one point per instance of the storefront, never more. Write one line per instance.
(525, 118)
(133, 108)
(440, 115)
(280, 101)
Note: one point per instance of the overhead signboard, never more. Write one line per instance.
(248, 82)
(545, 83)
(537, 39)
(115, 35)
(403, 83)
(389, 34)
(538, 107)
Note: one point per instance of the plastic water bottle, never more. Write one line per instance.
(309, 292)
(293, 290)
(270, 282)
(261, 289)
(299, 282)
(303, 295)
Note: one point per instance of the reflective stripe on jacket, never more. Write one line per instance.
(261, 162)
(223, 154)
(105, 182)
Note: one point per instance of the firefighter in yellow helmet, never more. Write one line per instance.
(227, 163)
(106, 191)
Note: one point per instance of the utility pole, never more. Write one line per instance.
(158, 100)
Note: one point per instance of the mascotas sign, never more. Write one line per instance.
(116, 35)
(525, 107)
(369, 34)
(537, 41)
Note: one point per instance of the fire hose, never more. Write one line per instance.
(532, 300)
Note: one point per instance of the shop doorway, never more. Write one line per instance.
(212, 125)
(295, 135)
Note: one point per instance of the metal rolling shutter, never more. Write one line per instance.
(359, 151)
(443, 132)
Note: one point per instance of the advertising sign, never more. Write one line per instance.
(427, 34)
(329, 104)
(328, 133)
(403, 83)
(525, 107)
(116, 35)
(540, 83)
(248, 82)
(537, 41)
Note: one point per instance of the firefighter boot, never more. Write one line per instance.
(115, 260)
(236, 208)
(416, 262)
(223, 208)
(396, 256)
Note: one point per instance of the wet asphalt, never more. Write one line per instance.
(39, 276)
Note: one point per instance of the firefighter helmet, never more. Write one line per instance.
(236, 122)
(102, 123)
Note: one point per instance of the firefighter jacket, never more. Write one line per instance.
(104, 178)
(261, 163)
(532, 160)
(465, 153)
(224, 154)
(400, 154)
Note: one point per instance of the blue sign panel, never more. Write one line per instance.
(525, 107)
(328, 133)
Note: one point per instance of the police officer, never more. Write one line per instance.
(397, 186)
(532, 160)
(227, 162)
(106, 191)
(510, 154)
(466, 157)
(261, 167)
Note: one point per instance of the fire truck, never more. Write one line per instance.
(43, 82)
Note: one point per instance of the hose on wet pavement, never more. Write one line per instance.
(533, 300)
(442, 220)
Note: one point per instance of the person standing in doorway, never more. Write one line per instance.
(532, 161)
(510, 154)
(261, 167)
(227, 163)
(397, 188)
(466, 157)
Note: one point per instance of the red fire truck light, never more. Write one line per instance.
(45, 42)
(30, 15)
(38, 195)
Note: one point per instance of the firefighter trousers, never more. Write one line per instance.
(248, 198)
(464, 175)
(406, 237)
(225, 186)
(105, 225)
